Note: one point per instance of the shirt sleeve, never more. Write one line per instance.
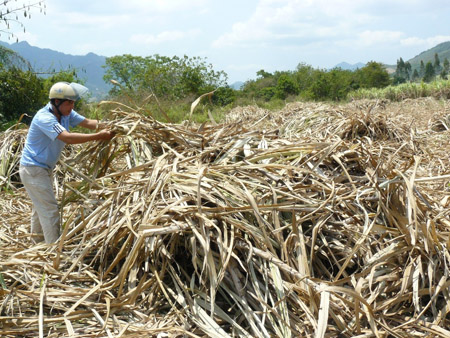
(75, 119)
(50, 126)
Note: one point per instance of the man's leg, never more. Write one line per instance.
(39, 186)
(36, 228)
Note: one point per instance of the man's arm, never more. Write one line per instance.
(91, 124)
(76, 138)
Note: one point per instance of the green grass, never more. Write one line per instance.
(439, 89)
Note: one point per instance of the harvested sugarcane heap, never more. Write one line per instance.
(315, 221)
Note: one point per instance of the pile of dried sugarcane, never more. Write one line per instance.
(315, 221)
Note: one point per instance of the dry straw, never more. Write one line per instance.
(315, 221)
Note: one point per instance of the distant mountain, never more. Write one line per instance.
(237, 85)
(347, 66)
(442, 50)
(89, 67)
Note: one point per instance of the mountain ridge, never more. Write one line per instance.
(44, 60)
(442, 50)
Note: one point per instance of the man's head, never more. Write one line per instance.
(63, 96)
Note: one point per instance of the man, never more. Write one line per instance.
(47, 136)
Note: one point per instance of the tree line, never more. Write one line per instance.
(306, 82)
(425, 72)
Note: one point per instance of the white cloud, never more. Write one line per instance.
(291, 20)
(167, 36)
(297, 22)
(383, 37)
(427, 42)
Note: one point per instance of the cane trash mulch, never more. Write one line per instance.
(318, 220)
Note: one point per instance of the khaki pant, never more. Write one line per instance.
(45, 223)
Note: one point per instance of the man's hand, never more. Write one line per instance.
(106, 134)
(101, 125)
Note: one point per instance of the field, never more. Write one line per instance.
(319, 220)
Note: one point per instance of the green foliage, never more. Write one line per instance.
(268, 93)
(403, 72)
(437, 63)
(332, 85)
(373, 75)
(168, 78)
(286, 86)
(304, 76)
(261, 88)
(446, 65)
(307, 83)
(224, 96)
(320, 89)
(445, 70)
(422, 68)
(429, 72)
(263, 74)
(21, 92)
(412, 90)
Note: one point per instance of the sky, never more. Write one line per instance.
(241, 37)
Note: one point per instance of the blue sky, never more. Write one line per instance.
(242, 37)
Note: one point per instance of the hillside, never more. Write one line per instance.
(442, 50)
(89, 67)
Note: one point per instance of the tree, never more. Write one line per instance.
(437, 64)
(320, 88)
(373, 75)
(429, 72)
(286, 86)
(445, 69)
(399, 72)
(304, 75)
(263, 74)
(21, 92)
(446, 65)
(422, 69)
(11, 13)
(170, 78)
(408, 69)
(224, 96)
(261, 88)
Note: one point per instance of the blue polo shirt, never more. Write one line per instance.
(42, 148)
